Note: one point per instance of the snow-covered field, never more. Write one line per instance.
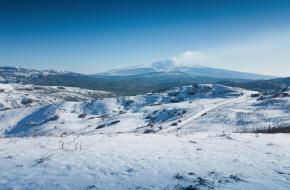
(185, 138)
(152, 161)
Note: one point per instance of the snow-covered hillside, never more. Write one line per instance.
(18, 74)
(184, 109)
(188, 137)
(18, 96)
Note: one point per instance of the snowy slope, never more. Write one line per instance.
(16, 95)
(183, 138)
(127, 161)
(184, 109)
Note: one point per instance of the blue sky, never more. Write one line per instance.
(94, 36)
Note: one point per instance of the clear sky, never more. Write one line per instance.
(90, 36)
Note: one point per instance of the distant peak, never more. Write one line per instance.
(170, 64)
(165, 64)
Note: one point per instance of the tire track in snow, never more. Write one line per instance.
(194, 117)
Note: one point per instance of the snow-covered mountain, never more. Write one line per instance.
(158, 76)
(18, 74)
(189, 137)
(170, 66)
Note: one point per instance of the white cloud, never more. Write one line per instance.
(265, 54)
(189, 58)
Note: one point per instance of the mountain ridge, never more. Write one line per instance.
(133, 84)
(170, 65)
